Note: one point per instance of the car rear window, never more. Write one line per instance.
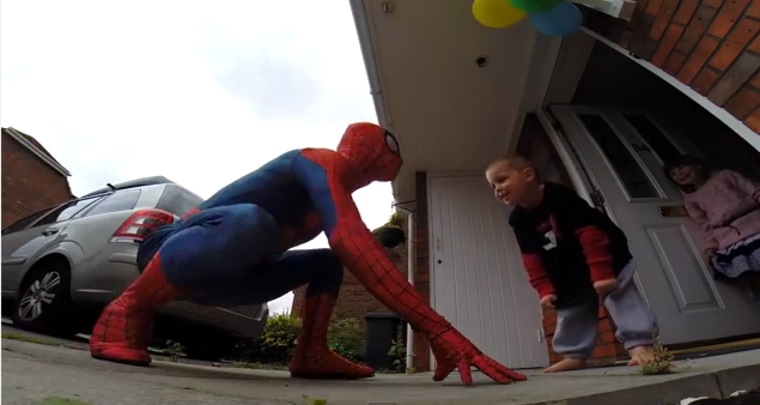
(122, 200)
(178, 201)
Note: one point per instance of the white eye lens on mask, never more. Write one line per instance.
(391, 142)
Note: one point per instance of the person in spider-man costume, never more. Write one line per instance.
(233, 250)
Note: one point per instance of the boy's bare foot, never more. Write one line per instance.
(566, 364)
(641, 355)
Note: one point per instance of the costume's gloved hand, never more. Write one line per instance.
(453, 350)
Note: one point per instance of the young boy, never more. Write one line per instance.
(572, 254)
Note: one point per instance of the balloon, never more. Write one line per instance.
(496, 13)
(564, 19)
(534, 6)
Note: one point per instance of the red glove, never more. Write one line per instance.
(452, 350)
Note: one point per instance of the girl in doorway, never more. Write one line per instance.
(725, 206)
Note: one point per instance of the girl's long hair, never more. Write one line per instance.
(705, 169)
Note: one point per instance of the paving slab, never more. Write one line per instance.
(33, 372)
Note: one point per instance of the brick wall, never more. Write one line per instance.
(711, 45)
(29, 184)
(354, 301)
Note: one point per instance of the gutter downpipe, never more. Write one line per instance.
(364, 32)
(410, 270)
(363, 23)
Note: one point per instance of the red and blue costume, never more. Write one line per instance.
(234, 250)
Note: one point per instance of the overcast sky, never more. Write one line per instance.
(201, 92)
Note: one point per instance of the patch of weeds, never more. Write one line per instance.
(397, 352)
(663, 361)
(31, 339)
(258, 366)
(201, 390)
(174, 350)
(62, 401)
(315, 401)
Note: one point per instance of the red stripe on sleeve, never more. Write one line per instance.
(537, 274)
(595, 245)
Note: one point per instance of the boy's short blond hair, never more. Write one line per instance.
(514, 162)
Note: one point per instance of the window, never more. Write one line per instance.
(654, 137)
(67, 210)
(118, 201)
(629, 171)
(178, 201)
(26, 221)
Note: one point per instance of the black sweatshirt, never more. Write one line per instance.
(566, 245)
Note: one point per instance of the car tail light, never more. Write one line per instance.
(140, 224)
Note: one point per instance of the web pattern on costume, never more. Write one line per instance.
(368, 262)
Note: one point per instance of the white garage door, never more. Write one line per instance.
(478, 281)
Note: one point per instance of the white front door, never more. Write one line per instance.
(478, 281)
(622, 152)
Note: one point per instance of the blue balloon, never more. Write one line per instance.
(564, 19)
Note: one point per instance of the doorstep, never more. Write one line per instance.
(714, 376)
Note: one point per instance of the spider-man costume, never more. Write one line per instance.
(233, 250)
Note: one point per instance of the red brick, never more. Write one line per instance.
(625, 39)
(685, 11)
(696, 28)
(641, 34)
(662, 14)
(755, 82)
(755, 45)
(638, 12)
(605, 351)
(607, 337)
(730, 49)
(753, 120)
(704, 81)
(727, 17)
(653, 7)
(743, 103)
(754, 9)
(29, 185)
(734, 78)
(712, 3)
(697, 59)
(674, 62)
(667, 44)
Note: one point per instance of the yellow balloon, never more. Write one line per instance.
(496, 13)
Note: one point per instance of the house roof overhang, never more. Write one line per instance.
(451, 110)
(36, 149)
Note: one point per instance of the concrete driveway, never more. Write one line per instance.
(33, 372)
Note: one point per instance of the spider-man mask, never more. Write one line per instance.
(372, 152)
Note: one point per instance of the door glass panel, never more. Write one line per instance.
(633, 177)
(658, 141)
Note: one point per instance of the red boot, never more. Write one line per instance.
(125, 327)
(312, 357)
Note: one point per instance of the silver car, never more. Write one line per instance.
(84, 252)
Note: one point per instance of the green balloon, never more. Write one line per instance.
(534, 6)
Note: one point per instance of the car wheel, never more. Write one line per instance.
(44, 300)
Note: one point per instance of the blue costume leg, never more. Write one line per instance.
(280, 274)
(219, 247)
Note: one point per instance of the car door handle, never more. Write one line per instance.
(49, 232)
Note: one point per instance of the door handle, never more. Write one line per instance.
(49, 232)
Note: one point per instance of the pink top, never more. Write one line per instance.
(726, 209)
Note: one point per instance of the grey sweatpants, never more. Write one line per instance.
(576, 331)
